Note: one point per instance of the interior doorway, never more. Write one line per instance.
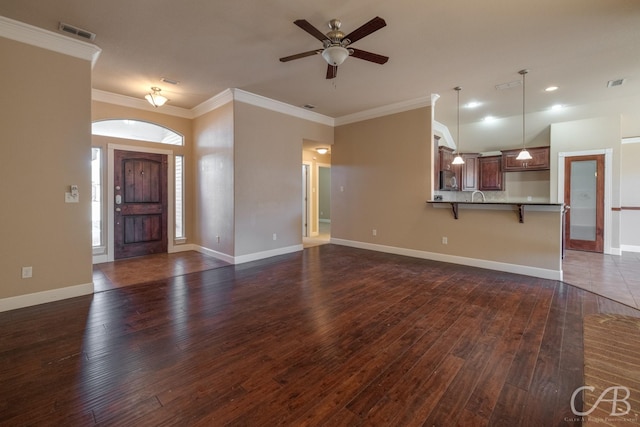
(324, 201)
(306, 185)
(316, 201)
(584, 203)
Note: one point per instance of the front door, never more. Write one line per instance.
(140, 190)
(584, 203)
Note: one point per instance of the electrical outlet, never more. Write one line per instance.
(374, 232)
(218, 239)
(27, 272)
(445, 241)
(275, 236)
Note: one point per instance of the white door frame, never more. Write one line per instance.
(608, 189)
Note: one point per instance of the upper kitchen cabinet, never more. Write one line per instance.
(539, 161)
(490, 174)
(469, 178)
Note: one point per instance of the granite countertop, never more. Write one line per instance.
(513, 202)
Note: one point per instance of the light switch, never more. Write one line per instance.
(70, 198)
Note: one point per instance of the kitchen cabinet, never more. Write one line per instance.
(490, 174)
(465, 175)
(539, 161)
(469, 172)
(446, 157)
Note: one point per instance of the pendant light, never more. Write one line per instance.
(155, 98)
(524, 154)
(458, 160)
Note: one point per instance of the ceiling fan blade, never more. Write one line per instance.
(300, 55)
(368, 56)
(374, 25)
(305, 25)
(332, 71)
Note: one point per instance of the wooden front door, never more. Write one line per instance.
(584, 203)
(140, 190)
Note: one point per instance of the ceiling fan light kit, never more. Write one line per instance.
(336, 44)
(335, 55)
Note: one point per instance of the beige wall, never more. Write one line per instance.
(630, 196)
(381, 179)
(214, 182)
(46, 144)
(267, 175)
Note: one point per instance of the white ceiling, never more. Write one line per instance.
(435, 45)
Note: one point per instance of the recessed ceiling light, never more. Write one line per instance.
(473, 104)
(551, 88)
(489, 119)
(309, 106)
(557, 107)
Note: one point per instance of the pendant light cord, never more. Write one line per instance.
(458, 89)
(524, 73)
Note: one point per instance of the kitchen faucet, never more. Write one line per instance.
(481, 193)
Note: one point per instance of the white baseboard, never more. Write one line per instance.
(99, 259)
(267, 254)
(215, 254)
(185, 247)
(43, 297)
(629, 248)
(453, 259)
(249, 257)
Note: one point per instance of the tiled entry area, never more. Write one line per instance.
(612, 276)
(132, 271)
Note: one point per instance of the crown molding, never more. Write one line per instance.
(443, 131)
(281, 107)
(139, 103)
(631, 140)
(34, 36)
(211, 104)
(385, 110)
(240, 95)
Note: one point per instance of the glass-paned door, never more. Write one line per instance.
(584, 203)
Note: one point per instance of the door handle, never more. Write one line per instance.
(118, 199)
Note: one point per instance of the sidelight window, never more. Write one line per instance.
(179, 194)
(96, 197)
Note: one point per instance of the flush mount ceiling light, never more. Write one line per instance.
(322, 150)
(524, 154)
(458, 160)
(551, 89)
(155, 98)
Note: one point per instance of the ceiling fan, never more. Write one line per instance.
(337, 44)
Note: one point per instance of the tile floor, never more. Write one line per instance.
(132, 271)
(323, 237)
(612, 276)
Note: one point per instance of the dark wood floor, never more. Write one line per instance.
(328, 336)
